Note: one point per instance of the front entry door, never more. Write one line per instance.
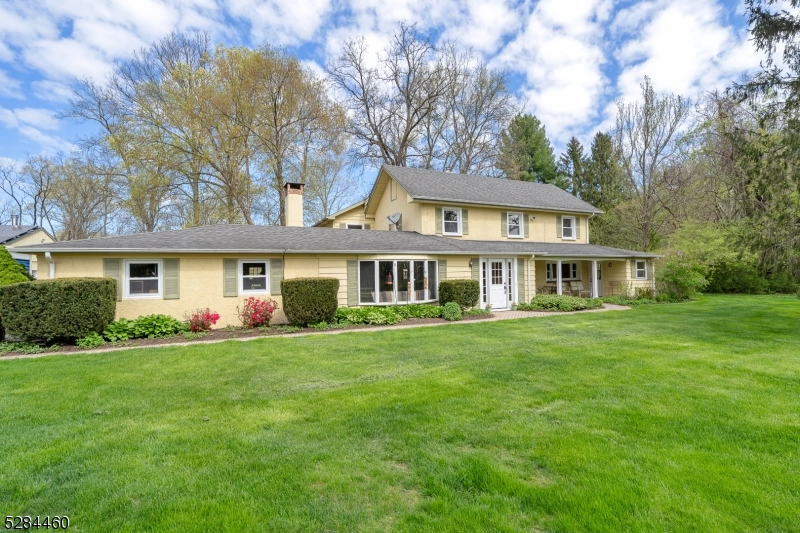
(498, 284)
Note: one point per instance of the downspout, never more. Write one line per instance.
(52, 265)
(587, 226)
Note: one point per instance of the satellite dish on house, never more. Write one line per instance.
(395, 218)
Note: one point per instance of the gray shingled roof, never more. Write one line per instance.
(230, 238)
(9, 232)
(463, 188)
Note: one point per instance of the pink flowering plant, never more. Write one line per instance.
(202, 320)
(257, 312)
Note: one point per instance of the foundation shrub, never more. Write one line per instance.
(554, 302)
(451, 311)
(464, 292)
(60, 309)
(256, 312)
(310, 300)
(202, 320)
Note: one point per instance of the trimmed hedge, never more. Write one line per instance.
(59, 309)
(554, 302)
(310, 300)
(464, 292)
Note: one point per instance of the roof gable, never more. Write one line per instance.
(432, 185)
(10, 233)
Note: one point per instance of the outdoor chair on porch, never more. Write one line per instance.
(613, 288)
(578, 290)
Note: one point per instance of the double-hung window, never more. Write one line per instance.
(253, 276)
(515, 225)
(452, 221)
(143, 279)
(568, 228)
(641, 269)
(392, 282)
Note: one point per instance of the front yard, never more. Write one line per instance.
(675, 417)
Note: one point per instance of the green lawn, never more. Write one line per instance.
(682, 417)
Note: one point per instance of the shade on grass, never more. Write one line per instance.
(680, 417)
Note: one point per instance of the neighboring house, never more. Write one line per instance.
(416, 228)
(13, 236)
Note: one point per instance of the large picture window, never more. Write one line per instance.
(253, 276)
(515, 225)
(452, 221)
(143, 279)
(569, 271)
(397, 282)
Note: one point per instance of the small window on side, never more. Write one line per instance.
(641, 269)
(354, 226)
(568, 228)
(253, 276)
(143, 279)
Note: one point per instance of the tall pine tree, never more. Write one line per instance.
(571, 166)
(526, 154)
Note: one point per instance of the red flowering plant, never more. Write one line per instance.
(256, 312)
(202, 320)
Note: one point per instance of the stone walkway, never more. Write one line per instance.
(498, 315)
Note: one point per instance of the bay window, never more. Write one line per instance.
(397, 282)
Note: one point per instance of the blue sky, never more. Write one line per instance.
(569, 60)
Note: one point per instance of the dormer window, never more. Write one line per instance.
(452, 221)
(568, 228)
(515, 225)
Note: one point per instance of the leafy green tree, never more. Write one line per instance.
(572, 164)
(602, 175)
(526, 154)
(10, 270)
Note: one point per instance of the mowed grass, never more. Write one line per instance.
(682, 417)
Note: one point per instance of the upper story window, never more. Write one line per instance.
(253, 276)
(568, 228)
(515, 225)
(354, 226)
(143, 279)
(452, 221)
(641, 269)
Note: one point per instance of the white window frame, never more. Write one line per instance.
(394, 301)
(564, 219)
(353, 225)
(575, 268)
(636, 265)
(127, 279)
(521, 226)
(240, 275)
(444, 222)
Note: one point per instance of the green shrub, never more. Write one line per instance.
(67, 308)
(120, 330)
(451, 311)
(157, 326)
(310, 300)
(464, 292)
(417, 311)
(10, 270)
(92, 340)
(477, 312)
(554, 302)
(644, 293)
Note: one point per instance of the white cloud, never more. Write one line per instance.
(560, 51)
(52, 91)
(9, 86)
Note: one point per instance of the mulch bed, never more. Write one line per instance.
(239, 333)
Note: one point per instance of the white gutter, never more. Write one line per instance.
(52, 265)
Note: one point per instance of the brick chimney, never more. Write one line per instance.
(294, 203)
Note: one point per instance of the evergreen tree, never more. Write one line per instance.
(10, 270)
(571, 166)
(526, 154)
(602, 177)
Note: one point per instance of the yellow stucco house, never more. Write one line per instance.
(14, 236)
(416, 228)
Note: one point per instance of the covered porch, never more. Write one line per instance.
(592, 277)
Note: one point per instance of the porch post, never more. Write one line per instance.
(594, 279)
(558, 278)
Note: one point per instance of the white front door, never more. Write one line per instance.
(499, 278)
